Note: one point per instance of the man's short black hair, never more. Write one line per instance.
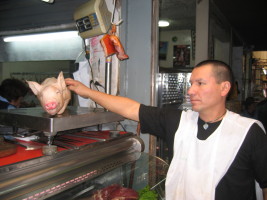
(12, 89)
(222, 71)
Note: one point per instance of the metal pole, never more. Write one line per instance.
(108, 75)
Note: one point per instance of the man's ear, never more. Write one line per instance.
(225, 88)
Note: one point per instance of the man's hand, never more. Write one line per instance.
(124, 106)
(77, 87)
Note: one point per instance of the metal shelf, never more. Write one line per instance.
(74, 117)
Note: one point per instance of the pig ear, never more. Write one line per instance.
(61, 81)
(35, 87)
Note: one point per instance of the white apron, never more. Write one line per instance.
(198, 165)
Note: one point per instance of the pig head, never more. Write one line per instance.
(53, 94)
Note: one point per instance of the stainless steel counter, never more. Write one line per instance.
(73, 117)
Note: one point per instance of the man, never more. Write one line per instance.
(12, 92)
(261, 110)
(217, 154)
(249, 108)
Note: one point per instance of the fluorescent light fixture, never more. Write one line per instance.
(163, 23)
(48, 1)
(43, 36)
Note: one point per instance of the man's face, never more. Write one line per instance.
(205, 93)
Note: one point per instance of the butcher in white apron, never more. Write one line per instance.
(199, 168)
(198, 165)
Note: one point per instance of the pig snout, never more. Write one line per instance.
(51, 105)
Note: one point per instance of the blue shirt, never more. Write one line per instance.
(5, 100)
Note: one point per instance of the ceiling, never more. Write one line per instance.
(180, 13)
(20, 16)
(247, 18)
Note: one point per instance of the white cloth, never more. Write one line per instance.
(198, 165)
(83, 76)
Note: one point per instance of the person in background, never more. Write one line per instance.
(12, 92)
(249, 109)
(217, 154)
(261, 110)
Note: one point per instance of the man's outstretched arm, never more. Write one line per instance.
(126, 107)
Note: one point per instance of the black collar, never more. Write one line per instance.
(203, 134)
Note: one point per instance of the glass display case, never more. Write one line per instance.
(86, 162)
(145, 171)
(65, 180)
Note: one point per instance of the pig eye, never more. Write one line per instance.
(58, 92)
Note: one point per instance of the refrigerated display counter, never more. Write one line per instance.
(86, 163)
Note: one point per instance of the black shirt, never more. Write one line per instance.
(249, 164)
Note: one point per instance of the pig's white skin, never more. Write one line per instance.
(53, 94)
